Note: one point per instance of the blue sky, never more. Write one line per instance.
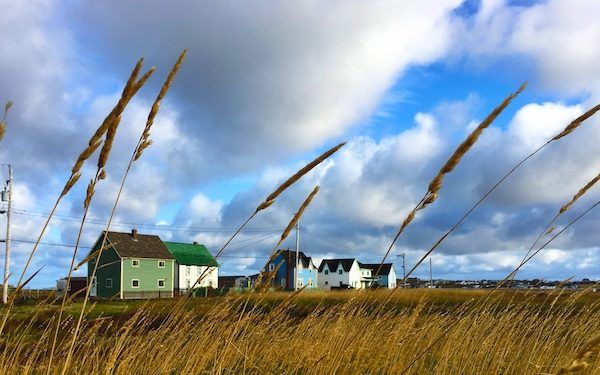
(264, 90)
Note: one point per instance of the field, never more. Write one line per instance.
(416, 332)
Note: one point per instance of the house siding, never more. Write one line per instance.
(148, 273)
(286, 274)
(210, 279)
(109, 268)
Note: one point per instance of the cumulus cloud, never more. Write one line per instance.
(263, 88)
(557, 36)
(279, 78)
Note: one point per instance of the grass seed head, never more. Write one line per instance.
(297, 216)
(290, 181)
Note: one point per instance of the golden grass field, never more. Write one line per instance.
(417, 332)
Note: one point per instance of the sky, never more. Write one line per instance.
(266, 88)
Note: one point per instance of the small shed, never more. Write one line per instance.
(76, 286)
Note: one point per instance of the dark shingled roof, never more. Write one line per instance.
(333, 264)
(385, 268)
(146, 246)
(306, 261)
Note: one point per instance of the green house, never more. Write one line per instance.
(132, 266)
(192, 262)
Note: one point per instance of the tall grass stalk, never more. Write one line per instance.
(141, 145)
(271, 198)
(568, 130)
(436, 184)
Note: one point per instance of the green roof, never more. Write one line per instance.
(191, 254)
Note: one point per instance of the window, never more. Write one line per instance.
(326, 282)
(300, 282)
(161, 264)
(341, 272)
(310, 283)
(161, 283)
(135, 263)
(271, 267)
(135, 283)
(109, 283)
(326, 272)
(188, 270)
(188, 284)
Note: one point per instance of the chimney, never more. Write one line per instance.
(134, 234)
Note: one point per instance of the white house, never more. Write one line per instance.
(193, 261)
(343, 273)
(387, 274)
(350, 273)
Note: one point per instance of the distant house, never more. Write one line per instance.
(132, 266)
(344, 273)
(77, 285)
(387, 274)
(282, 271)
(230, 282)
(339, 273)
(191, 262)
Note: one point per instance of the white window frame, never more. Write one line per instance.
(271, 267)
(135, 263)
(138, 283)
(106, 282)
(158, 283)
(300, 283)
(310, 283)
(188, 283)
(163, 264)
(188, 270)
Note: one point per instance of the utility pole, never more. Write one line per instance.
(430, 274)
(297, 255)
(403, 255)
(7, 255)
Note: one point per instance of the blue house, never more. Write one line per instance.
(282, 271)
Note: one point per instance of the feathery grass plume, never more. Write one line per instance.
(580, 362)
(273, 196)
(436, 184)
(550, 227)
(290, 181)
(108, 129)
(568, 129)
(575, 123)
(108, 142)
(7, 107)
(134, 157)
(532, 255)
(297, 216)
(131, 88)
(145, 139)
(291, 224)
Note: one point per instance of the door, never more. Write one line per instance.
(93, 288)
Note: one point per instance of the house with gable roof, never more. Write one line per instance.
(282, 271)
(193, 261)
(387, 274)
(350, 273)
(132, 266)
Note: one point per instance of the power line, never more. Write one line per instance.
(145, 225)
(89, 247)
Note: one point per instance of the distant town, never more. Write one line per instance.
(137, 266)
